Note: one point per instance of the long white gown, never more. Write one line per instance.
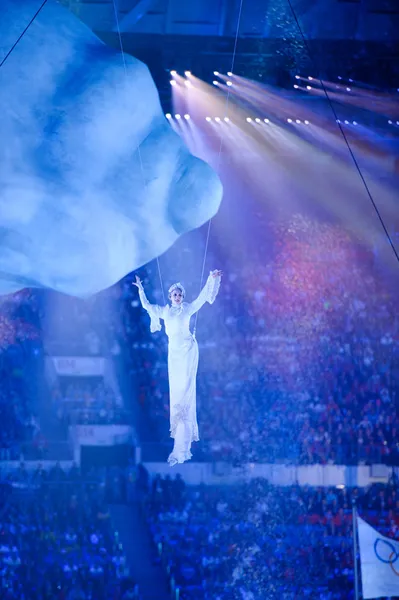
(182, 365)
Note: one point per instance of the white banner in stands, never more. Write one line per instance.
(79, 366)
(101, 435)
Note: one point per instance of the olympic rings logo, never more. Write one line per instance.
(383, 547)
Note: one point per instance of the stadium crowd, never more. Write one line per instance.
(19, 351)
(56, 540)
(298, 358)
(256, 541)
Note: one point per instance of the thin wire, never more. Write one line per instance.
(344, 134)
(138, 147)
(23, 33)
(220, 150)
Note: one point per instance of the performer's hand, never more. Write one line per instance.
(217, 273)
(138, 283)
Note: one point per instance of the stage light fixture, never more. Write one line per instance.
(187, 73)
(226, 119)
(217, 119)
(215, 82)
(266, 120)
(178, 117)
(249, 120)
(296, 86)
(216, 73)
(297, 77)
(208, 119)
(172, 82)
(229, 83)
(346, 122)
(229, 74)
(187, 117)
(297, 121)
(257, 120)
(168, 116)
(354, 123)
(173, 73)
(348, 89)
(306, 122)
(310, 78)
(289, 120)
(308, 87)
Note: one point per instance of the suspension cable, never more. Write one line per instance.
(220, 150)
(15, 44)
(352, 155)
(138, 147)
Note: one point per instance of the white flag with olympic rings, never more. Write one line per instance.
(379, 562)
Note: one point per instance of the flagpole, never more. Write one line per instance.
(354, 524)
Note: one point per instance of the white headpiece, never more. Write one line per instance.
(177, 286)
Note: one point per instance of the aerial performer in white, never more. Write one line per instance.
(182, 359)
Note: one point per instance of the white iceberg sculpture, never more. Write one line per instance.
(94, 182)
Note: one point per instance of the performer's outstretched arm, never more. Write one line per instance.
(208, 292)
(154, 310)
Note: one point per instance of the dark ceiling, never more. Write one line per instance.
(266, 40)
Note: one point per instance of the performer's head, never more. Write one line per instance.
(176, 294)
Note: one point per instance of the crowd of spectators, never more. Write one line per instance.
(56, 539)
(298, 356)
(256, 541)
(33, 325)
(19, 352)
(69, 325)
